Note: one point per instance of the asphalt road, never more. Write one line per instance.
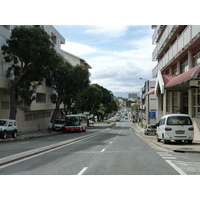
(117, 151)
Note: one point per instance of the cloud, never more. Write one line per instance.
(108, 31)
(78, 49)
(116, 70)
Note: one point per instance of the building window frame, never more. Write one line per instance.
(196, 102)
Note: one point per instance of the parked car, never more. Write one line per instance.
(8, 127)
(59, 124)
(150, 128)
(91, 123)
(178, 127)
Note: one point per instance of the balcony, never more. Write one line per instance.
(188, 36)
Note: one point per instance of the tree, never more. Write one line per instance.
(32, 55)
(68, 81)
(88, 99)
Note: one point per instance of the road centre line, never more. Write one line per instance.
(111, 142)
(82, 171)
(180, 171)
(103, 150)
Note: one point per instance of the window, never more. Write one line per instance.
(196, 103)
(167, 101)
(5, 105)
(174, 70)
(7, 27)
(196, 59)
(53, 38)
(177, 120)
(184, 67)
(2, 42)
(28, 117)
(40, 98)
(175, 107)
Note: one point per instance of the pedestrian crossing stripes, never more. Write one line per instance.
(166, 155)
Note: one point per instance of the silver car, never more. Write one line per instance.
(150, 128)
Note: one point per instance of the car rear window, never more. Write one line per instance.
(179, 120)
(152, 126)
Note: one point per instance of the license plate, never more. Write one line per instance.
(180, 132)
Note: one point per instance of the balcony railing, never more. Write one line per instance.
(187, 36)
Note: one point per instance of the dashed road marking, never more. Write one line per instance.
(103, 150)
(82, 171)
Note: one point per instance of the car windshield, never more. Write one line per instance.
(152, 126)
(179, 120)
(3, 123)
(72, 121)
(59, 122)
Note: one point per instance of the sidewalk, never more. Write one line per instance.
(173, 146)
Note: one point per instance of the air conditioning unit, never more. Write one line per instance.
(195, 83)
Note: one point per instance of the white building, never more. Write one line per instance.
(178, 81)
(38, 115)
(148, 103)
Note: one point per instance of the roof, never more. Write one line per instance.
(171, 80)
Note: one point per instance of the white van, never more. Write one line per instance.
(176, 127)
(8, 127)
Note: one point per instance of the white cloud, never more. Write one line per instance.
(109, 31)
(78, 49)
(118, 71)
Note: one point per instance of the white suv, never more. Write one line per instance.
(8, 127)
(176, 127)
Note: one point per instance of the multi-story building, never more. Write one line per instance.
(178, 70)
(38, 115)
(148, 103)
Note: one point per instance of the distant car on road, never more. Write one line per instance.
(91, 123)
(150, 128)
(118, 119)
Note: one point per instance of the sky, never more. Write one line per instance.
(119, 55)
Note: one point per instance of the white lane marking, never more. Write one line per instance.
(180, 171)
(111, 142)
(169, 157)
(82, 171)
(166, 155)
(103, 150)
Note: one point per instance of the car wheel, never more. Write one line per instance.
(164, 141)
(4, 135)
(190, 141)
(158, 140)
(14, 134)
(147, 133)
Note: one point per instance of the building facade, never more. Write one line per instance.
(177, 71)
(148, 103)
(38, 115)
